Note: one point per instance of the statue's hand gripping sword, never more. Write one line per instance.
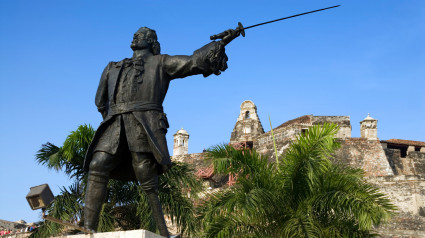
(228, 35)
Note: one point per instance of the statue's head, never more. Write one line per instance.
(145, 38)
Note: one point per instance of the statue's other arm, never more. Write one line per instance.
(210, 59)
(101, 99)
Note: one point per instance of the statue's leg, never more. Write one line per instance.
(146, 169)
(96, 191)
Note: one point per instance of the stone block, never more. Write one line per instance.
(384, 145)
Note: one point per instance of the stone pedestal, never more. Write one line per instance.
(116, 234)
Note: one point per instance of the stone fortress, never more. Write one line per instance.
(396, 166)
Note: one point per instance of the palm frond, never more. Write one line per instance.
(144, 213)
(50, 156)
(305, 195)
(308, 158)
(181, 176)
(227, 159)
(107, 218)
(178, 188)
(74, 150)
(77, 142)
(346, 194)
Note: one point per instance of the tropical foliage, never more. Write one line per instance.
(126, 206)
(303, 195)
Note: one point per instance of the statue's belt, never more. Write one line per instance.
(119, 108)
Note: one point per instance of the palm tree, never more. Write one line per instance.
(126, 207)
(303, 195)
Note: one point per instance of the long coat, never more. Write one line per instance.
(146, 98)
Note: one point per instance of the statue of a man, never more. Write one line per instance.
(130, 143)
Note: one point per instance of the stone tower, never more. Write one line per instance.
(248, 125)
(181, 138)
(369, 128)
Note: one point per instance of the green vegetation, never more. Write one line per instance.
(305, 195)
(302, 195)
(126, 207)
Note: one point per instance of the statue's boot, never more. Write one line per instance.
(157, 213)
(95, 196)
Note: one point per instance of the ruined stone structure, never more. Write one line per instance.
(395, 166)
(181, 140)
(248, 125)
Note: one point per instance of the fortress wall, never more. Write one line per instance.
(407, 192)
(195, 159)
(342, 121)
(417, 159)
(365, 154)
(283, 137)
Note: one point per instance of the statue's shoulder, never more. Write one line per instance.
(116, 64)
(154, 59)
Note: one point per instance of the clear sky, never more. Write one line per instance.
(363, 57)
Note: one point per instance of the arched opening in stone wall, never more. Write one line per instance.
(247, 115)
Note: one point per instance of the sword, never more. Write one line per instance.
(240, 30)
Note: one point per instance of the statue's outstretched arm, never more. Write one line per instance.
(210, 59)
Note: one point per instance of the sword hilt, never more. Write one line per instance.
(239, 30)
(218, 36)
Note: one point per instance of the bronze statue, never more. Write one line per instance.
(130, 142)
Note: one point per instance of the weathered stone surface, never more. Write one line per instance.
(288, 132)
(395, 161)
(181, 142)
(12, 225)
(407, 192)
(369, 128)
(342, 121)
(403, 226)
(199, 162)
(395, 166)
(412, 164)
(248, 125)
(17, 235)
(116, 234)
(195, 159)
(418, 161)
(366, 154)
(15, 228)
(283, 135)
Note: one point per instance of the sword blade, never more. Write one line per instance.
(280, 19)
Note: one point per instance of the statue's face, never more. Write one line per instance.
(140, 40)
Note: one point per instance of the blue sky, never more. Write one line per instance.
(363, 57)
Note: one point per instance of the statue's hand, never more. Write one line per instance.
(213, 58)
(218, 58)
